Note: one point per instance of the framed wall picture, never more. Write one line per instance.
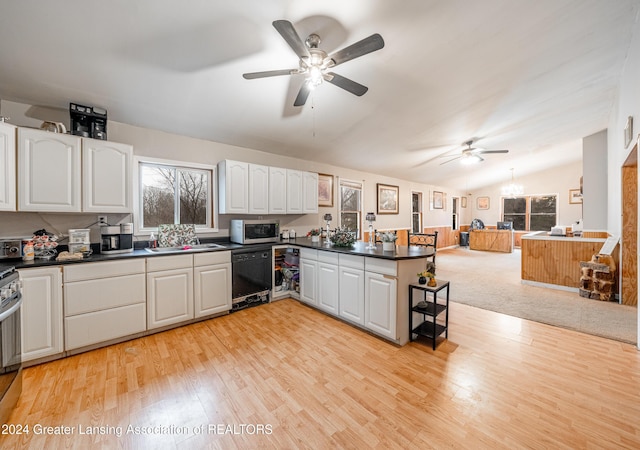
(463, 202)
(575, 197)
(325, 189)
(387, 199)
(482, 202)
(438, 200)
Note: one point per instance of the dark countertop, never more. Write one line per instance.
(359, 248)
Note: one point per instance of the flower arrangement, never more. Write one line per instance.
(314, 232)
(343, 238)
(426, 274)
(388, 236)
(430, 273)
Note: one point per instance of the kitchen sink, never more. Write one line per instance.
(185, 248)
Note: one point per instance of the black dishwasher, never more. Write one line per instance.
(251, 269)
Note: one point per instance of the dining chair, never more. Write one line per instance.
(425, 240)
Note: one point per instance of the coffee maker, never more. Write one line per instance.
(116, 238)
(88, 121)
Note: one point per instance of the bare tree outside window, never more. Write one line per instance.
(350, 206)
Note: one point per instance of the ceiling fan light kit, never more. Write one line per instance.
(471, 155)
(314, 63)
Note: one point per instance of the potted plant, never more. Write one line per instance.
(314, 233)
(388, 240)
(343, 238)
(428, 274)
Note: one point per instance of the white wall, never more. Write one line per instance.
(594, 168)
(558, 180)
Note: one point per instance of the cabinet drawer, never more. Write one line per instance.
(355, 262)
(382, 266)
(328, 257)
(307, 253)
(101, 326)
(169, 262)
(211, 258)
(95, 295)
(92, 271)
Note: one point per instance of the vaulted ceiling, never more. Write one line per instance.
(530, 76)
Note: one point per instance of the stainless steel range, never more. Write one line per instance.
(10, 343)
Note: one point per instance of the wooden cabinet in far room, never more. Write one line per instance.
(7, 167)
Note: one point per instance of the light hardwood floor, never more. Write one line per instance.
(314, 382)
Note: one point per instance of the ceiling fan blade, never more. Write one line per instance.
(303, 94)
(492, 151)
(367, 45)
(289, 34)
(448, 161)
(268, 73)
(346, 84)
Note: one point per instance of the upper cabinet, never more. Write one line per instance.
(7, 167)
(48, 171)
(106, 176)
(245, 188)
(64, 173)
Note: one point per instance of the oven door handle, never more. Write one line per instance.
(11, 310)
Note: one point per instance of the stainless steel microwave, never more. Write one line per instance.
(254, 231)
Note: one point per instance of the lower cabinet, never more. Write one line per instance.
(380, 306)
(103, 301)
(212, 283)
(351, 286)
(169, 290)
(328, 278)
(41, 318)
(308, 276)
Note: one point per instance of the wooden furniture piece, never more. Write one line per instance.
(491, 240)
(430, 309)
(425, 240)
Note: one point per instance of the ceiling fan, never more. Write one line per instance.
(315, 63)
(471, 154)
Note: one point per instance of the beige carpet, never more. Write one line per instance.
(491, 281)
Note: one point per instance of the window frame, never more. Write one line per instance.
(528, 213)
(354, 185)
(212, 198)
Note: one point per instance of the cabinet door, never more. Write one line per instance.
(48, 171)
(310, 192)
(7, 167)
(169, 297)
(212, 289)
(352, 294)
(308, 270)
(277, 190)
(294, 192)
(42, 331)
(106, 176)
(328, 287)
(233, 184)
(258, 189)
(380, 305)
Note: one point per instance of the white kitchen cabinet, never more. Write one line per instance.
(258, 189)
(48, 171)
(169, 290)
(106, 176)
(277, 190)
(308, 276)
(103, 301)
(351, 275)
(380, 306)
(42, 326)
(294, 192)
(7, 167)
(233, 187)
(328, 282)
(212, 283)
(310, 192)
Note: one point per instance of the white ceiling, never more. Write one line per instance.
(533, 76)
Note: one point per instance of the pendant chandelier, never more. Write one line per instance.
(512, 189)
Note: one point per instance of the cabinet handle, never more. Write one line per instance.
(389, 277)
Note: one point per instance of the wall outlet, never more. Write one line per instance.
(102, 220)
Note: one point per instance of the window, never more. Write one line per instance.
(350, 205)
(530, 213)
(416, 212)
(171, 192)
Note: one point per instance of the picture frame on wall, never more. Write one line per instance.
(437, 199)
(387, 198)
(463, 202)
(482, 202)
(325, 189)
(575, 197)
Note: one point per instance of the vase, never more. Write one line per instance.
(432, 282)
(388, 246)
(422, 280)
(315, 238)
